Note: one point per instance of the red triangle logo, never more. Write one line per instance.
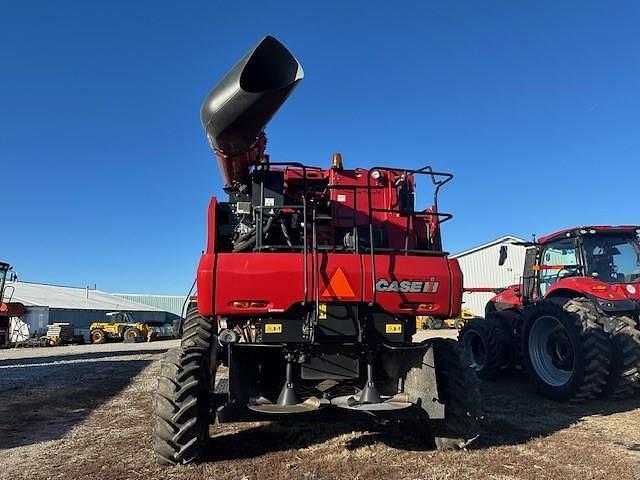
(338, 286)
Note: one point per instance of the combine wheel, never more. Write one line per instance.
(181, 406)
(458, 390)
(98, 336)
(565, 350)
(624, 379)
(486, 352)
(196, 330)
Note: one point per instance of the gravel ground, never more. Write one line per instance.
(84, 413)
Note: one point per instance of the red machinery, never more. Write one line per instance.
(8, 309)
(309, 286)
(573, 322)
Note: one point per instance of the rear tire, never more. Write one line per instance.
(565, 351)
(458, 390)
(97, 336)
(181, 407)
(483, 348)
(624, 379)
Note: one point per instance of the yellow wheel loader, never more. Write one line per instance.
(120, 327)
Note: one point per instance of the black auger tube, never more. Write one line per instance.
(235, 113)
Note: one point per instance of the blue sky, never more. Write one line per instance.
(534, 106)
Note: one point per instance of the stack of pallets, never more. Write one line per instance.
(64, 331)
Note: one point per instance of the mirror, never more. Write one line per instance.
(503, 255)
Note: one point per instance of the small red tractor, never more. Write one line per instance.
(572, 324)
(309, 287)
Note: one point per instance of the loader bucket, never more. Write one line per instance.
(236, 111)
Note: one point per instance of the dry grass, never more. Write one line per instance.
(91, 419)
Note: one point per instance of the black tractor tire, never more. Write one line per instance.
(97, 336)
(181, 406)
(484, 349)
(132, 334)
(624, 378)
(458, 390)
(196, 330)
(490, 308)
(581, 368)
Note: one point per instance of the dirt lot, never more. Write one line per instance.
(83, 412)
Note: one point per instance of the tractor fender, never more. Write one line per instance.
(610, 306)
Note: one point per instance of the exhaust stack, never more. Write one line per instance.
(235, 113)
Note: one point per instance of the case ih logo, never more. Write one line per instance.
(407, 286)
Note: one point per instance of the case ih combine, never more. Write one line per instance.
(573, 322)
(309, 287)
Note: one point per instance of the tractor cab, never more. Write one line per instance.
(120, 317)
(599, 262)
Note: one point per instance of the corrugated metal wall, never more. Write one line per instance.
(168, 303)
(37, 318)
(481, 269)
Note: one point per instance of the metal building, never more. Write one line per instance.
(480, 269)
(47, 304)
(168, 303)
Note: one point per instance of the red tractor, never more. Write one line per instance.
(573, 322)
(309, 287)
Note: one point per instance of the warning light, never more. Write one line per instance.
(336, 161)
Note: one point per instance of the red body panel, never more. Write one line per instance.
(437, 271)
(508, 298)
(277, 279)
(595, 288)
(586, 286)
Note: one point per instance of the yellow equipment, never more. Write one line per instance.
(423, 322)
(459, 322)
(121, 326)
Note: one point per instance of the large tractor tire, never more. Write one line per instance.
(196, 330)
(98, 336)
(181, 407)
(484, 346)
(624, 378)
(182, 401)
(565, 351)
(458, 390)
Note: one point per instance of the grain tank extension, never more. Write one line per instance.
(309, 287)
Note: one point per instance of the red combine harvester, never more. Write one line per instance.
(8, 309)
(309, 287)
(573, 322)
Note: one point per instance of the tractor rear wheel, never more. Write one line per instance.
(484, 349)
(458, 390)
(97, 336)
(624, 378)
(181, 406)
(565, 351)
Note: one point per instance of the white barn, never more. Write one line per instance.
(480, 269)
